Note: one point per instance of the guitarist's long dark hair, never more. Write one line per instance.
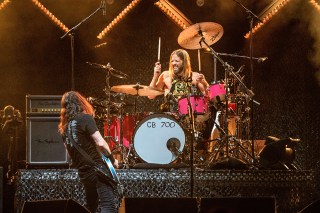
(72, 103)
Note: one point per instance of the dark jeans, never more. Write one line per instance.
(98, 192)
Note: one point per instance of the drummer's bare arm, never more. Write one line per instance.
(157, 79)
(202, 83)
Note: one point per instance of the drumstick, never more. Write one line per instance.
(159, 46)
(199, 61)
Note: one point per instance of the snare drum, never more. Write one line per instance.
(217, 92)
(159, 138)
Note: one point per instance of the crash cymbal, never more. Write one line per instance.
(137, 89)
(191, 36)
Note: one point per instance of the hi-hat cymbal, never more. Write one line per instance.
(108, 68)
(190, 37)
(137, 89)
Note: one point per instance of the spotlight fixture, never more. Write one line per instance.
(173, 13)
(315, 4)
(50, 15)
(200, 3)
(278, 153)
(4, 3)
(267, 14)
(118, 18)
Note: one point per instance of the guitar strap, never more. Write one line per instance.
(89, 159)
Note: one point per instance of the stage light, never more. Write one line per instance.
(315, 4)
(119, 17)
(50, 15)
(173, 13)
(200, 3)
(278, 153)
(4, 3)
(267, 14)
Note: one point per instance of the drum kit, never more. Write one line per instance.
(178, 137)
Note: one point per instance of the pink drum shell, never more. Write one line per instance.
(198, 104)
(217, 90)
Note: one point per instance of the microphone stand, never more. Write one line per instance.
(71, 33)
(192, 129)
(251, 17)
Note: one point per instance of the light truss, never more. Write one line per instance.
(173, 13)
(4, 4)
(118, 18)
(50, 15)
(315, 4)
(267, 14)
(164, 5)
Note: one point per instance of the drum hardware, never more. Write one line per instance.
(190, 37)
(109, 69)
(192, 113)
(137, 89)
(198, 38)
(251, 17)
(159, 139)
(108, 104)
(258, 59)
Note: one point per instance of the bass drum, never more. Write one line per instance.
(159, 138)
(128, 124)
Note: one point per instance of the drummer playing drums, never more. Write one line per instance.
(179, 80)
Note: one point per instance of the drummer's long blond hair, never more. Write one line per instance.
(184, 56)
(72, 103)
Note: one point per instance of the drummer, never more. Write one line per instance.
(178, 81)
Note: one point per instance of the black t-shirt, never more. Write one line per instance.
(81, 128)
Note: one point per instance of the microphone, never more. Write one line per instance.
(262, 59)
(173, 145)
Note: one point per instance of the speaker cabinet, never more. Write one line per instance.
(237, 205)
(1, 189)
(44, 143)
(53, 206)
(160, 205)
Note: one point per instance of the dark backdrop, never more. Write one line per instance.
(35, 60)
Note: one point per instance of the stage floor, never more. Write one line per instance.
(292, 190)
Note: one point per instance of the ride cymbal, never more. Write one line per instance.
(190, 37)
(136, 89)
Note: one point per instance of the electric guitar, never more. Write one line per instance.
(114, 179)
(108, 163)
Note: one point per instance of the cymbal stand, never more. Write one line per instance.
(109, 138)
(124, 153)
(107, 90)
(228, 71)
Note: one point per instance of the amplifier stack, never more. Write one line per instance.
(44, 144)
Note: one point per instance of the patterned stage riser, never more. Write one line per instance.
(292, 190)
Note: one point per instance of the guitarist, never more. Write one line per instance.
(76, 121)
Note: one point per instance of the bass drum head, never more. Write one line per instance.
(159, 138)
